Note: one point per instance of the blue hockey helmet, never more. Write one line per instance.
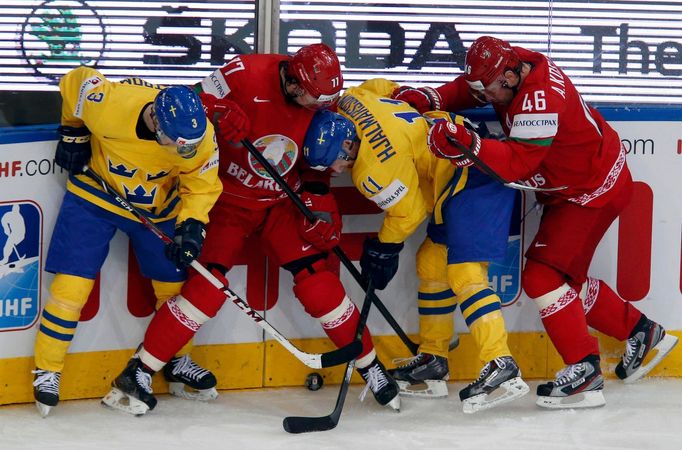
(181, 118)
(324, 140)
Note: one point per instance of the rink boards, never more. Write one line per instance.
(640, 256)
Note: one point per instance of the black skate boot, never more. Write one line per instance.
(181, 373)
(578, 385)
(646, 336)
(502, 372)
(424, 375)
(132, 390)
(46, 390)
(383, 386)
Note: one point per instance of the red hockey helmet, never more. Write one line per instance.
(487, 59)
(317, 70)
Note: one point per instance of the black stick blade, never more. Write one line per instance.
(297, 425)
(341, 355)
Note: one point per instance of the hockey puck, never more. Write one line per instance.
(314, 381)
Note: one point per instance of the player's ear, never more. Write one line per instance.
(512, 78)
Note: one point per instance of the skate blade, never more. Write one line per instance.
(394, 404)
(204, 395)
(589, 399)
(513, 389)
(426, 389)
(117, 399)
(662, 349)
(43, 409)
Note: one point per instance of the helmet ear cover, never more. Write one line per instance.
(323, 143)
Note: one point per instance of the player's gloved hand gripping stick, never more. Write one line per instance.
(466, 150)
(313, 360)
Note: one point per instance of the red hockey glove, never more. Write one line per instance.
(446, 139)
(231, 122)
(422, 99)
(325, 232)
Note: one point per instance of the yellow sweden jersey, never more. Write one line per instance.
(152, 177)
(395, 168)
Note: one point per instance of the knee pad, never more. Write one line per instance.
(164, 290)
(70, 292)
(200, 294)
(537, 279)
(465, 277)
(319, 293)
(432, 262)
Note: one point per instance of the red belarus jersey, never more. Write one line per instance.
(278, 128)
(555, 138)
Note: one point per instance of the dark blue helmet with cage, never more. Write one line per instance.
(324, 140)
(181, 118)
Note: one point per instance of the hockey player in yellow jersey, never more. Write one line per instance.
(155, 146)
(384, 142)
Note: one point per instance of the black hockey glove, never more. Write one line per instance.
(73, 149)
(379, 261)
(189, 238)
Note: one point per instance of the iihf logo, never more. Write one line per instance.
(20, 258)
(505, 276)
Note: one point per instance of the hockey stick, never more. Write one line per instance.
(297, 424)
(313, 360)
(486, 168)
(412, 346)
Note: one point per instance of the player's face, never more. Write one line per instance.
(299, 94)
(185, 150)
(350, 149)
(500, 91)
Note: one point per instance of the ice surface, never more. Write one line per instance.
(645, 415)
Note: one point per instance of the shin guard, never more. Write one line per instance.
(606, 311)
(179, 318)
(323, 297)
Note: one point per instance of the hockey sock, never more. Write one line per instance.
(178, 320)
(481, 309)
(323, 297)
(561, 315)
(606, 311)
(437, 304)
(58, 322)
(164, 291)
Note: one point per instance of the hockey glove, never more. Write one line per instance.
(422, 99)
(189, 238)
(73, 149)
(379, 261)
(230, 121)
(325, 233)
(446, 140)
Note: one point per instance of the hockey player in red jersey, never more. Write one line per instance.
(269, 99)
(555, 140)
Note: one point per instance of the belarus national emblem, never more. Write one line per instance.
(279, 150)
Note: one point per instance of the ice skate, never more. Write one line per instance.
(132, 390)
(576, 386)
(484, 393)
(382, 385)
(189, 380)
(424, 375)
(646, 336)
(46, 390)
